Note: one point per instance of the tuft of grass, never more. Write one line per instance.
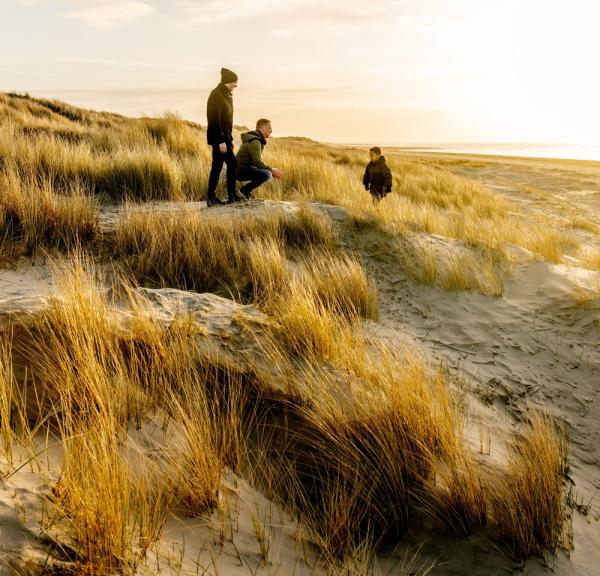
(528, 507)
(584, 224)
(11, 409)
(453, 268)
(100, 376)
(307, 228)
(340, 285)
(33, 218)
(186, 250)
(305, 328)
(459, 500)
(586, 297)
(189, 250)
(268, 270)
(590, 258)
(114, 515)
(138, 176)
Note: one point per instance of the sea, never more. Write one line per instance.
(559, 151)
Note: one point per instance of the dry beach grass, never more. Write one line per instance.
(70, 152)
(356, 438)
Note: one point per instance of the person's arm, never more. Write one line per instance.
(366, 179)
(256, 160)
(214, 111)
(388, 179)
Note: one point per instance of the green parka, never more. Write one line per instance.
(250, 152)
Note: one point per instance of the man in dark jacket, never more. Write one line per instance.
(219, 113)
(378, 176)
(250, 165)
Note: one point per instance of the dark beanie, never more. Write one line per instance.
(228, 76)
(375, 149)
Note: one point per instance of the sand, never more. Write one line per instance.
(532, 347)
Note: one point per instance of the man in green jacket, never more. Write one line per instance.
(250, 165)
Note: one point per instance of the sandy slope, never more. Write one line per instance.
(531, 347)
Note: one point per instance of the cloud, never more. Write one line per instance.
(107, 13)
(136, 64)
(201, 11)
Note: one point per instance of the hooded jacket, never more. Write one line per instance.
(378, 175)
(219, 113)
(250, 152)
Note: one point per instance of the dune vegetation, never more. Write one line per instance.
(55, 151)
(355, 437)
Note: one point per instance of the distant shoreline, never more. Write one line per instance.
(533, 152)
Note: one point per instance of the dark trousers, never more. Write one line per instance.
(377, 193)
(256, 177)
(215, 170)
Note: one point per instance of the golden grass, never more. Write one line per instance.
(191, 250)
(305, 328)
(357, 447)
(268, 269)
(10, 405)
(590, 258)
(32, 217)
(584, 224)
(452, 267)
(360, 438)
(586, 297)
(114, 514)
(185, 249)
(100, 376)
(528, 501)
(340, 285)
(164, 158)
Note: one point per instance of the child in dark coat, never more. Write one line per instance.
(378, 176)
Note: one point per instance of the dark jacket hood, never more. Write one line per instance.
(253, 135)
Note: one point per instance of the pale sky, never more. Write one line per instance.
(389, 71)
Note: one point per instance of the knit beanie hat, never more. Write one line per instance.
(228, 76)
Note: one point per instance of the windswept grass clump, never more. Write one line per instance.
(452, 267)
(528, 507)
(115, 512)
(98, 377)
(359, 442)
(189, 250)
(340, 285)
(32, 217)
(307, 228)
(376, 452)
(590, 258)
(11, 407)
(305, 329)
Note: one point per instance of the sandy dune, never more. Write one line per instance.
(532, 347)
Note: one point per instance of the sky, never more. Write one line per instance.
(355, 71)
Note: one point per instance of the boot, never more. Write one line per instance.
(246, 194)
(235, 197)
(214, 201)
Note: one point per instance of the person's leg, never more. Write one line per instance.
(257, 177)
(231, 162)
(215, 172)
